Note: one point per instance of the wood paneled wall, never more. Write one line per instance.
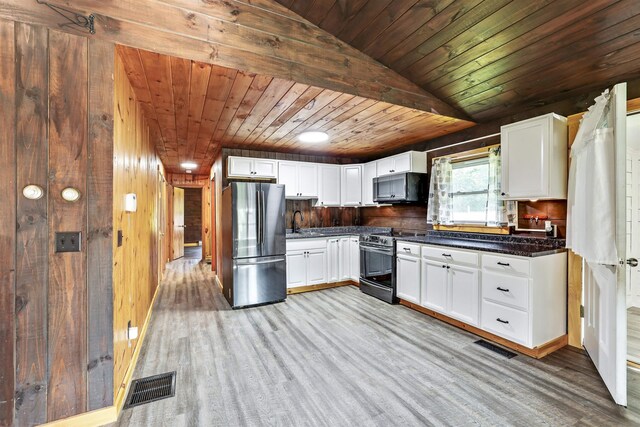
(320, 217)
(192, 215)
(56, 116)
(136, 170)
(405, 218)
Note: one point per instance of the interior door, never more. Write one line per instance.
(633, 211)
(605, 321)
(178, 223)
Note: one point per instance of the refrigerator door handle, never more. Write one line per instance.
(258, 219)
(251, 262)
(262, 212)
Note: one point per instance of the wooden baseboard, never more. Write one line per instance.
(124, 387)
(218, 282)
(301, 289)
(537, 352)
(191, 245)
(99, 417)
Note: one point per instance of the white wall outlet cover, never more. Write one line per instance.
(132, 333)
(130, 202)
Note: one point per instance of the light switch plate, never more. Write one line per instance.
(69, 241)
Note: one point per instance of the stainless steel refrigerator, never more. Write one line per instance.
(253, 244)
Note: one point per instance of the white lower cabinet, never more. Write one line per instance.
(333, 260)
(318, 261)
(306, 262)
(521, 299)
(408, 278)
(451, 290)
(354, 258)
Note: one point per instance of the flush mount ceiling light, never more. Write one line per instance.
(313, 136)
(188, 165)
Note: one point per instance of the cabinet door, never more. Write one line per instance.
(240, 166)
(345, 256)
(464, 294)
(408, 278)
(329, 185)
(354, 258)
(333, 260)
(296, 269)
(433, 286)
(369, 172)
(316, 266)
(352, 185)
(265, 168)
(288, 175)
(385, 166)
(402, 162)
(308, 179)
(525, 159)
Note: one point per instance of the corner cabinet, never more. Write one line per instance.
(534, 158)
(411, 161)
(247, 167)
(328, 185)
(351, 185)
(300, 179)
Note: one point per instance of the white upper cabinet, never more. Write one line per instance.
(247, 167)
(369, 172)
(411, 161)
(300, 179)
(351, 194)
(534, 158)
(328, 185)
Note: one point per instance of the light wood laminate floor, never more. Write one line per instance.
(633, 334)
(339, 358)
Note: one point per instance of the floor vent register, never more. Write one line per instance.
(501, 351)
(150, 389)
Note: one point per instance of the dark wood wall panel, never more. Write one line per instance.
(100, 226)
(320, 217)
(192, 215)
(32, 234)
(7, 225)
(405, 218)
(67, 271)
(53, 136)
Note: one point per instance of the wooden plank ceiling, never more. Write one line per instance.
(196, 108)
(491, 58)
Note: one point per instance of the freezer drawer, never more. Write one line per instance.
(258, 281)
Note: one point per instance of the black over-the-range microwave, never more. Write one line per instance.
(408, 187)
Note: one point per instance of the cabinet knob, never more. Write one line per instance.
(504, 194)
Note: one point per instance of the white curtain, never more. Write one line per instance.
(440, 208)
(591, 205)
(499, 212)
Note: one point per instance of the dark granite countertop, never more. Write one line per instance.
(314, 233)
(505, 244)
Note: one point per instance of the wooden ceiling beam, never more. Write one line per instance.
(209, 32)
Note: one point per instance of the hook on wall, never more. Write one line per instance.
(82, 21)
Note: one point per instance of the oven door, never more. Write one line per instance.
(376, 265)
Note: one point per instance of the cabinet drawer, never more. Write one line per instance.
(306, 244)
(506, 289)
(450, 256)
(407, 248)
(505, 264)
(506, 322)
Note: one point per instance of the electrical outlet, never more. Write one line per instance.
(68, 241)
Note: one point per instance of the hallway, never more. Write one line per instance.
(338, 357)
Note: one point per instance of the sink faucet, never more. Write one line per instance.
(293, 221)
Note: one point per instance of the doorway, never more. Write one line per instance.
(633, 237)
(193, 223)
